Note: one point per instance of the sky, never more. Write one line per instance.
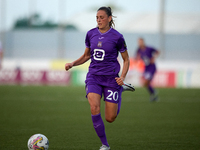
(58, 10)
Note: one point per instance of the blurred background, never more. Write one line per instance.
(39, 36)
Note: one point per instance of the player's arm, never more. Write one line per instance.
(126, 63)
(85, 57)
(155, 55)
(137, 56)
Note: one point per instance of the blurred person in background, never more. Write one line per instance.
(103, 44)
(148, 55)
(1, 55)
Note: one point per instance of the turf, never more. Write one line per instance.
(63, 115)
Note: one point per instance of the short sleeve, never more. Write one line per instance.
(121, 44)
(87, 41)
(153, 50)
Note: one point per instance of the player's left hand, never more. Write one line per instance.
(119, 81)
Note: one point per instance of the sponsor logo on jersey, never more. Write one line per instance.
(100, 38)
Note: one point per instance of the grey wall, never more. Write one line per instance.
(53, 44)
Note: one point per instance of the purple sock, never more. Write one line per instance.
(119, 106)
(100, 128)
(151, 90)
(120, 101)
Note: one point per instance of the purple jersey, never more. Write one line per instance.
(146, 56)
(104, 49)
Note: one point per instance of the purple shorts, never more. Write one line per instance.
(149, 72)
(105, 85)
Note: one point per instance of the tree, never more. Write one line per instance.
(35, 22)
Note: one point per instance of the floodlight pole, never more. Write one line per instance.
(32, 10)
(161, 29)
(3, 23)
(61, 30)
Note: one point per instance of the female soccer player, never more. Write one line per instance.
(103, 44)
(148, 55)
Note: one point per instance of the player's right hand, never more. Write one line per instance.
(119, 80)
(68, 66)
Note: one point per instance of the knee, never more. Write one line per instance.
(110, 119)
(95, 109)
(94, 101)
(145, 83)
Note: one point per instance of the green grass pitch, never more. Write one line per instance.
(63, 115)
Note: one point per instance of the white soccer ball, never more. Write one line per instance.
(38, 142)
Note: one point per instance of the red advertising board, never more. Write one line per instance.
(17, 76)
(165, 79)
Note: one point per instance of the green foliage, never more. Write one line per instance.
(35, 22)
(63, 115)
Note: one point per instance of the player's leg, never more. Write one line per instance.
(147, 79)
(154, 93)
(111, 110)
(94, 101)
(94, 93)
(147, 84)
(112, 97)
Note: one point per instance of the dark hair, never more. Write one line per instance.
(109, 13)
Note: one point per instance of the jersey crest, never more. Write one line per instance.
(99, 44)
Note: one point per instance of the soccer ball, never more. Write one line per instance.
(38, 142)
